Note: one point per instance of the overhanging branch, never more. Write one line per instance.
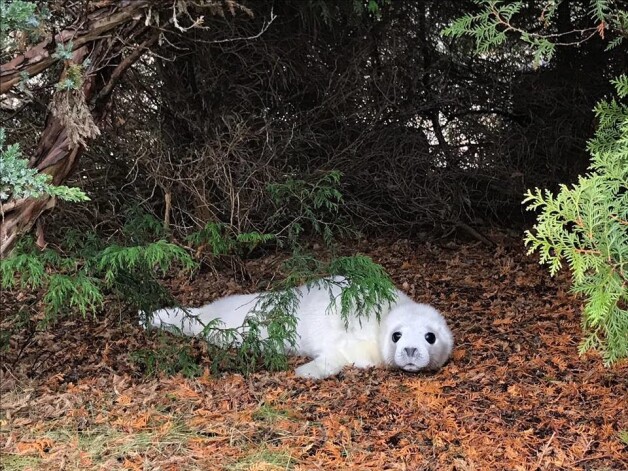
(40, 57)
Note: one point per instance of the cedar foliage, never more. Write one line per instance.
(584, 224)
(17, 180)
(78, 279)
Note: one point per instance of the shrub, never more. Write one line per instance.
(586, 225)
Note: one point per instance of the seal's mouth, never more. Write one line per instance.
(411, 367)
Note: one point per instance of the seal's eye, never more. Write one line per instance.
(396, 336)
(430, 337)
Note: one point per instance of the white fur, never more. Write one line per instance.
(323, 337)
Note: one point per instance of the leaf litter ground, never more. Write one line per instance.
(515, 395)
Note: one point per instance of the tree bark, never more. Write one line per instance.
(98, 37)
(113, 34)
(38, 58)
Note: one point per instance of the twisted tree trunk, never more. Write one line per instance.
(113, 34)
(99, 37)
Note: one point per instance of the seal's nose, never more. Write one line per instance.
(410, 351)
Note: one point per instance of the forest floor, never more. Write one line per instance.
(515, 395)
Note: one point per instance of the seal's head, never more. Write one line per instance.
(415, 337)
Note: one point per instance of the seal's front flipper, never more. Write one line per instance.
(321, 367)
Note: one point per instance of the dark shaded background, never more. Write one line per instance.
(430, 138)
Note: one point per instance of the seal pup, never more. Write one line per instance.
(409, 336)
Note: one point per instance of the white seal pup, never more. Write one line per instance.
(410, 336)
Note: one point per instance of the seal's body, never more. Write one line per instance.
(410, 336)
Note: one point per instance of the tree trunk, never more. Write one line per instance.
(57, 153)
(110, 34)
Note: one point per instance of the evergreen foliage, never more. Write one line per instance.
(369, 291)
(222, 239)
(305, 207)
(491, 25)
(485, 27)
(586, 225)
(16, 15)
(17, 180)
(79, 279)
(244, 348)
(309, 206)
